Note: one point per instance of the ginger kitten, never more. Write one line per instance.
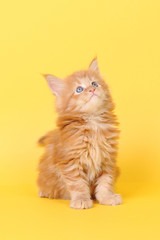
(79, 162)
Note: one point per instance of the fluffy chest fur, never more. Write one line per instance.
(89, 142)
(97, 148)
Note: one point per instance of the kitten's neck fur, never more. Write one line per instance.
(105, 117)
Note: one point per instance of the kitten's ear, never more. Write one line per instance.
(94, 65)
(55, 84)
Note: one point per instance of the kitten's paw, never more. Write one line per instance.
(44, 195)
(113, 199)
(81, 203)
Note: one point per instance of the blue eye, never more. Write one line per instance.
(94, 84)
(79, 89)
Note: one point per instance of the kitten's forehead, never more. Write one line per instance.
(84, 81)
(81, 78)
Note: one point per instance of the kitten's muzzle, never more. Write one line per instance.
(92, 90)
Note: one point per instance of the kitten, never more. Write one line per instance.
(79, 162)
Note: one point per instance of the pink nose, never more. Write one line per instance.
(92, 90)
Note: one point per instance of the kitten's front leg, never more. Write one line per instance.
(78, 187)
(104, 191)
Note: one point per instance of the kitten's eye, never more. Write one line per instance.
(79, 89)
(94, 84)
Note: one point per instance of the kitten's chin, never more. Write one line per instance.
(93, 97)
(93, 105)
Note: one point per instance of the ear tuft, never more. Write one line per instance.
(55, 84)
(94, 65)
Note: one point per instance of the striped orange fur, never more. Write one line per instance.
(79, 162)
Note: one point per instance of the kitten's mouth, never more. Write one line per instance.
(93, 95)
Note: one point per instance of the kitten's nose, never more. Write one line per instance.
(92, 90)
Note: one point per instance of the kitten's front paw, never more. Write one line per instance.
(81, 203)
(113, 199)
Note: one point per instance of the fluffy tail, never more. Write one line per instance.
(42, 140)
(47, 138)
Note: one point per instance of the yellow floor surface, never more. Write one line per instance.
(59, 37)
(26, 216)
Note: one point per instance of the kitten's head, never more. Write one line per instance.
(82, 92)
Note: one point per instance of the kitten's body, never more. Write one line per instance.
(79, 161)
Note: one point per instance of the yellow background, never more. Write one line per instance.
(59, 37)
